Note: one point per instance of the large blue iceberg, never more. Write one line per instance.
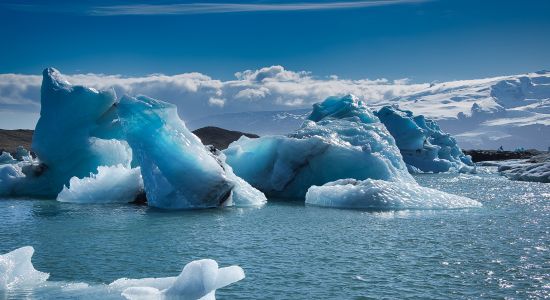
(341, 139)
(76, 133)
(424, 146)
(92, 148)
(342, 156)
(178, 170)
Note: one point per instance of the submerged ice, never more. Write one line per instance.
(383, 195)
(424, 146)
(199, 279)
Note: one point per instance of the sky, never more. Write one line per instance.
(421, 40)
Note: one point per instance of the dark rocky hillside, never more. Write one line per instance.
(10, 139)
(219, 137)
(215, 136)
(494, 155)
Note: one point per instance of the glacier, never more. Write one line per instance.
(423, 145)
(383, 195)
(199, 279)
(94, 148)
(342, 138)
(510, 111)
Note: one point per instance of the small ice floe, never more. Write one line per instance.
(17, 271)
(199, 280)
(383, 195)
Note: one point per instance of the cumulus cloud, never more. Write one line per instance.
(198, 95)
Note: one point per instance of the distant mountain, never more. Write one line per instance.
(10, 139)
(219, 137)
(509, 111)
(258, 122)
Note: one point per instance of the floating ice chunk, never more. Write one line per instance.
(199, 280)
(342, 139)
(6, 158)
(422, 143)
(22, 154)
(16, 270)
(178, 170)
(113, 184)
(535, 169)
(10, 175)
(383, 195)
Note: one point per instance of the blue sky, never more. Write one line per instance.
(422, 40)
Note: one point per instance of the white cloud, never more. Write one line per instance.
(198, 95)
(210, 8)
(212, 101)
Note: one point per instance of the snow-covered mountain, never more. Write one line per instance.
(509, 111)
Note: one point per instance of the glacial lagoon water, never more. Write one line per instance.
(292, 251)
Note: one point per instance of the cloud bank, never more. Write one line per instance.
(198, 95)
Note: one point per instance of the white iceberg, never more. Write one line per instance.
(422, 143)
(17, 271)
(341, 139)
(383, 195)
(199, 280)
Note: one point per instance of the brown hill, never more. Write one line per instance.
(218, 137)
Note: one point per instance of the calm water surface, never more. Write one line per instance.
(292, 251)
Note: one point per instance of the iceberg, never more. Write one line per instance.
(6, 158)
(93, 148)
(17, 271)
(383, 195)
(77, 132)
(341, 139)
(178, 170)
(424, 146)
(199, 279)
(111, 184)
